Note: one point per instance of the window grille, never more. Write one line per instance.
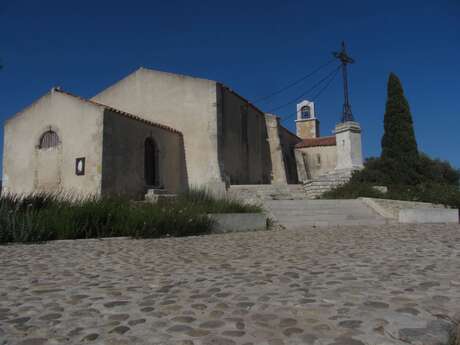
(49, 139)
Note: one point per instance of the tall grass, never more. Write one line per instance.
(43, 217)
(204, 201)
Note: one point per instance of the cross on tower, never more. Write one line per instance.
(345, 60)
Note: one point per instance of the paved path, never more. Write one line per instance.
(352, 286)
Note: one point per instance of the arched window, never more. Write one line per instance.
(305, 112)
(49, 139)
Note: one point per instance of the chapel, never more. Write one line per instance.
(155, 130)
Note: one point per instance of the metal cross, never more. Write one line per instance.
(345, 60)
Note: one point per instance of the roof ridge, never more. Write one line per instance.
(320, 141)
(118, 111)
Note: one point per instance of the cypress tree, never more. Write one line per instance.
(400, 158)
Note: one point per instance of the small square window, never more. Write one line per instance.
(80, 166)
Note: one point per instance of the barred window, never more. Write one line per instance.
(49, 139)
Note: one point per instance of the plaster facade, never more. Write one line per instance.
(349, 151)
(185, 103)
(108, 144)
(123, 165)
(282, 150)
(278, 175)
(201, 133)
(316, 161)
(288, 141)
(243, 140)
(225, 137)
(27, 168)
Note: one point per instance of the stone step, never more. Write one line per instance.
(358, 222)
(155, 195)
(301, 213)
(268, 192)
(156, 191)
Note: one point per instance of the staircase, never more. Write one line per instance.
(294, 214)
(258, 193)
(324, 183)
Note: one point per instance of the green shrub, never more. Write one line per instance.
(437, 171)
(204, 201)
(430, 171)
(427, 192)
(353, 190)
(43, 217)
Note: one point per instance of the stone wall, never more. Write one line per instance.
(28, 168)
(307, 128)
(390, 208)
(317, 161)
(123, 157)
(276, 150)
(185, 103)
(244, 150)
(288, 142)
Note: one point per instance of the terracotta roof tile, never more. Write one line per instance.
(131, 116)
(321, 141)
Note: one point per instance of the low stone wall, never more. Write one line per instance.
(412, 211)
(428, 215)
(234, 222)
(390, 208)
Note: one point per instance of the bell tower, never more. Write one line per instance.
(306, 123)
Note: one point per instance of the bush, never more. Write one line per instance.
(429, 171)
(45, 217)
(204, 201)
(353, 191)
(427, 192)
(437, 171)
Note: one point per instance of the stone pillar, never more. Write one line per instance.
(349, 150)
(302, 172)
(276, 151)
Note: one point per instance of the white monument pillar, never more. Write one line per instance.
(348, 144)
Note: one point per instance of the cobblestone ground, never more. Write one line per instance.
(351, 286)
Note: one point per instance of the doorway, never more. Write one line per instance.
(151, 162)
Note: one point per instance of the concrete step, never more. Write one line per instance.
(301, 213)
(367, 222)
(267, 192)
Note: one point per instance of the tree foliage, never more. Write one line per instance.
(408, 174)
(400, 156)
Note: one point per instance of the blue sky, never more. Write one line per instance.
(255, 47)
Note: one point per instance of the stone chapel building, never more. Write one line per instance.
(158, 130)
